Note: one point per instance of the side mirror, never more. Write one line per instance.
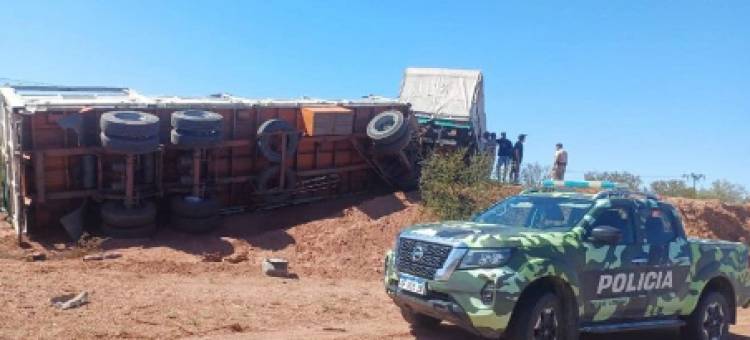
(606, 234)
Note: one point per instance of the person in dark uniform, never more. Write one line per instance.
(504, 157)
(515, 171)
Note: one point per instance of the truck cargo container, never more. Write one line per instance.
(66, 154)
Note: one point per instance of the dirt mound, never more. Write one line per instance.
(714, 219)
(350, 243)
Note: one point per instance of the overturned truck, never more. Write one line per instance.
(113, 161)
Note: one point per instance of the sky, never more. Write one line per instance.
(657, 88)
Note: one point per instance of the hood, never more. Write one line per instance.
(474, 234)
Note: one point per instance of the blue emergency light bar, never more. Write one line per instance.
(603, 185)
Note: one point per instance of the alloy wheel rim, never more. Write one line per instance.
(546, 325)
(713, 321)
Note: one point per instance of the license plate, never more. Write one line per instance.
(412, 284)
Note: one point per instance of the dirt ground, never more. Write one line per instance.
(169, 286)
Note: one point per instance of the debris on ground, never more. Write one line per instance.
(69, 301)
(102, 256)
(334, 329)
(236, 258)
(211, 256)
(275, 267)
(36, 256)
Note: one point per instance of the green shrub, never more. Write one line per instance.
(455, 187)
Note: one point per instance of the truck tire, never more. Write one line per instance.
(197, 120)
(195, 139)
(395, 147)
(194, 207)
(194, 225)
(130, 145)
(266, 141)
(129, 124)
(387, 127)
(709, 320)
(541, 316)
(115, 214)
(144, 231)
(417, 320)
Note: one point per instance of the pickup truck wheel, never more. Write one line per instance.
(709, 320)
(417, 320)
(541, 319)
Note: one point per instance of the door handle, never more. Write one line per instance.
(639, 261)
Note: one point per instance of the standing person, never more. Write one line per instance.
(504, 156)
(489, 151)
(561, 162)
(515, 172)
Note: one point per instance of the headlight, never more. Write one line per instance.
(490, 258)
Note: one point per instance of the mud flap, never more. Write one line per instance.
(73, 222)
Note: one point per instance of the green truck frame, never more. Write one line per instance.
(551, 263)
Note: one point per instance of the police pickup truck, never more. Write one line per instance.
(552, 263)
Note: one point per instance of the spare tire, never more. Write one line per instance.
(197, 120)
(130, 145)
(195, 138)
(144, 231)
(387, 127)
(270, 145)
(114, 213)
(129, 124)
(194, 207)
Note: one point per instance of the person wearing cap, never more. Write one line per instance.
(560, 163)
(504, 156)
(515, 171)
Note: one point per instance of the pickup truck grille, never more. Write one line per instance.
(421, 258)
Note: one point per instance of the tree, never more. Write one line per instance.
(672, 188)
(695, 178)
(452, 184)
(533, 173)
(725, 191)
(632, 181)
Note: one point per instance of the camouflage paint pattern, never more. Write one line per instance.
(565, 255)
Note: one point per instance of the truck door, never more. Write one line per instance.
(611, 271)
(668, 260)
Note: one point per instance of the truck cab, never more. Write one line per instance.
(449, 106)
(552, 263)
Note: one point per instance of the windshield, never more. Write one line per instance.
(536, 212)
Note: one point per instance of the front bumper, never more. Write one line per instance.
(441, 309)
(457, 299)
